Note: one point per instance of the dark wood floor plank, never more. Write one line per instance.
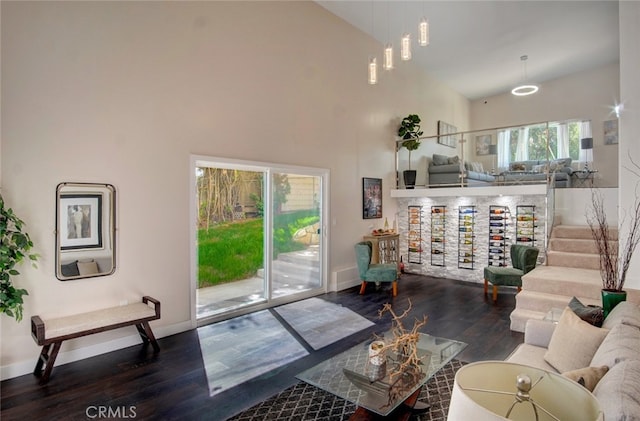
(172, 384)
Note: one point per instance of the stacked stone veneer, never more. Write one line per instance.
(480, 230)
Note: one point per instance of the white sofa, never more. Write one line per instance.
(571, 345)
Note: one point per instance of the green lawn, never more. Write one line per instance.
(233, 251)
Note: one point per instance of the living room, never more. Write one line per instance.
(125, 93)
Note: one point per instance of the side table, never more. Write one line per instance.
(583, 178)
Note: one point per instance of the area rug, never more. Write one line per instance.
(321, 322)
(304, 402)
(245, 347)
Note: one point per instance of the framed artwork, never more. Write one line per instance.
(371, 198)
(444, 134)
(482, 144)
(611, 132)
(80, 221)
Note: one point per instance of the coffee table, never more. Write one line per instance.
(370, 396)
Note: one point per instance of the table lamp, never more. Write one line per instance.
(586, 144)
(497, 390)
(493, 150)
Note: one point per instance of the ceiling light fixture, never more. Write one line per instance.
(372, 67)
(423, 32)
(405, 47)
(526, 88)
(387, 62)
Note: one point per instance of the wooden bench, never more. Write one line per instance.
(53, 332)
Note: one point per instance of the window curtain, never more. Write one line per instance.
(504, 140)
(584, 130)
(563, 141)
(522, 150)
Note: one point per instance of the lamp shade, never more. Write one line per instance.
(487, 390)
(493, 149)
(586, 143)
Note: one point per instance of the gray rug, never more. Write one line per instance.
(245, 347)
(303, 402)
(320, 322)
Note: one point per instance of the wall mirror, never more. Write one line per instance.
(85, 230)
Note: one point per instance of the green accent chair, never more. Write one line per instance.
(523, 260)
(381, 272)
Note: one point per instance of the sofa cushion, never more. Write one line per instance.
(453, 160)
(621, 344)
(591, 314)
(573, 343)
(625, 312)
(440, 159)
(88, 268)
(618, 392)
(588, 376)
(530, 355)
(70, 269)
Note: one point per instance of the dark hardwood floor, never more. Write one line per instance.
(134, 383)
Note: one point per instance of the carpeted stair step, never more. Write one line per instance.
(564, 281)
(573, 260)
(520, 316)
(543, 302)
(573, 245)
(577, 232)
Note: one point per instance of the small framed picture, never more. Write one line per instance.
(611, 132)
(482, 144)
(80, 221)
(371, 198)
(445, 136)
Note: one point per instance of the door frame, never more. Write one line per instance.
(268, 169)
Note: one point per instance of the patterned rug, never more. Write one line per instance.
(321, 322)
(305, 402)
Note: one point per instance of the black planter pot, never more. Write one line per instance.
(409, 178)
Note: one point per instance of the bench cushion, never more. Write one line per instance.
(70, 325)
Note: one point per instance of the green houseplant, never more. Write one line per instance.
(615, 257)
(410, 132)
(15, 245)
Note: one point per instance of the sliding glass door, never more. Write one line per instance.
(258, 236)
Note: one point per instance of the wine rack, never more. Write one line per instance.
(414, 254)
(466, 225)
(526, 225)
(498, 222)
(438, 246)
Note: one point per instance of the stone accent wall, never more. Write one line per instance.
(480, 230)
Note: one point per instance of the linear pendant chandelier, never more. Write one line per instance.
(405, 47)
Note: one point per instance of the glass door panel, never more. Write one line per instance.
(296, 240)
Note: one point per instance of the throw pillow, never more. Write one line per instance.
(625, 312)
(516, 166)
(440, 159)
(87, 268)
(618, 392)
(622, 343)
(70, 269)
(453, 160)
(573, 343)
(590, 314)
(588, 376)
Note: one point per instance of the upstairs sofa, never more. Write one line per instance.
(603, 359)
(535, 172)
(445, 171)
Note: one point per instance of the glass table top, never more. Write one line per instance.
(351, 376)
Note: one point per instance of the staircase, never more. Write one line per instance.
(571, 270)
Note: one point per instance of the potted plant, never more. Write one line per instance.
(15, 245)
(614, 261)
(410, 132)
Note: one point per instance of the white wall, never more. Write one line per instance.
(587, 95)
(125, 92)
(630, 121)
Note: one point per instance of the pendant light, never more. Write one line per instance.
(423, 32)
(387, 63)
(405, 47)
(372, 67)
(525, 88)
(373, 71)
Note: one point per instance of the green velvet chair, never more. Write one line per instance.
(381, 272)
(523, 260)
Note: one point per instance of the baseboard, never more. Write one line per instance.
(344, 278)
(65, 357)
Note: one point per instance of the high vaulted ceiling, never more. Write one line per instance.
(475, 46)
